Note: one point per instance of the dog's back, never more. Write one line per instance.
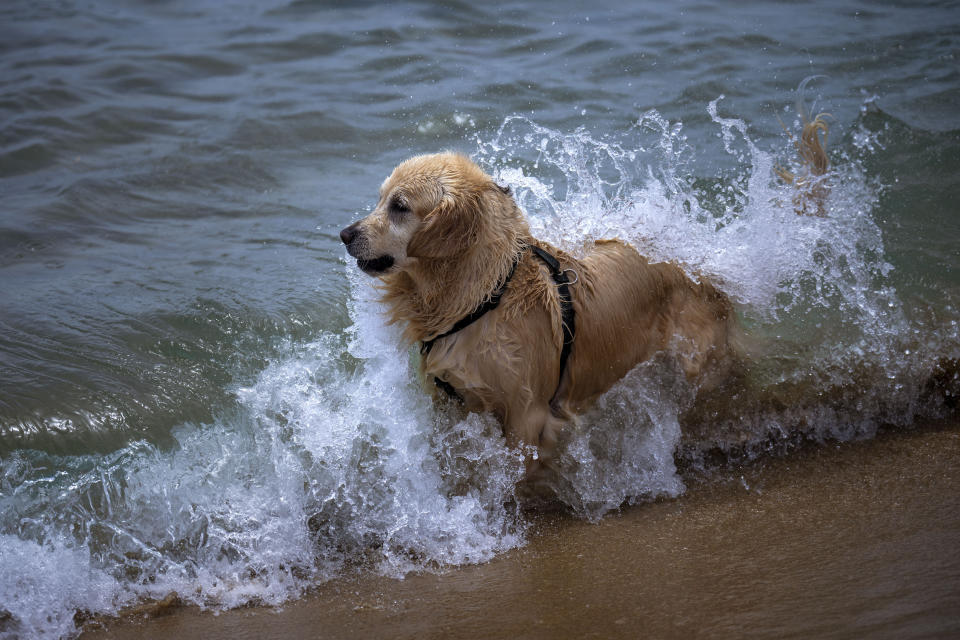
(628, 310)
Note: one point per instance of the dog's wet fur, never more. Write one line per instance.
(444, 236)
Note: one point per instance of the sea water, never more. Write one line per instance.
(198, 391)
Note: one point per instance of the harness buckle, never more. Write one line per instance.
(576, 276)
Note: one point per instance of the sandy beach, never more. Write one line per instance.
(837, 541)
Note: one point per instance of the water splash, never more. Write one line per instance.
(332, 459)
(833, 352)
(621, 451)
(741, 231)
(48, 582)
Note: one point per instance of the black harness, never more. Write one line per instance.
(566, 311)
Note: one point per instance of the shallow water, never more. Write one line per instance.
(197, 392)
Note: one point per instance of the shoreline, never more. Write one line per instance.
(848, 540)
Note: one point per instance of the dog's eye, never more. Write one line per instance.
(398, 206)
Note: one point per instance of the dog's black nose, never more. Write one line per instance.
(349, 234)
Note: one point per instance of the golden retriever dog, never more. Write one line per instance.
(505, 330)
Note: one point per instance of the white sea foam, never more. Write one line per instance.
(43, 584)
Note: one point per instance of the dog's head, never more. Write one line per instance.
(433, 206)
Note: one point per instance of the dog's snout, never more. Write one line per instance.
(349, 234)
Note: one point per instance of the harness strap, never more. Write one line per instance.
(566, 303)
(477, 313)
(567, 315)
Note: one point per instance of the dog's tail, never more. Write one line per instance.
(811, 145)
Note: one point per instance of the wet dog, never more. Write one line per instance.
(511, 325)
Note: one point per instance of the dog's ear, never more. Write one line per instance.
(448, 230)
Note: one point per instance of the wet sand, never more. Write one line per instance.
(839, 541)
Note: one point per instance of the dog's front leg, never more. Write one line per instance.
(536, 431)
